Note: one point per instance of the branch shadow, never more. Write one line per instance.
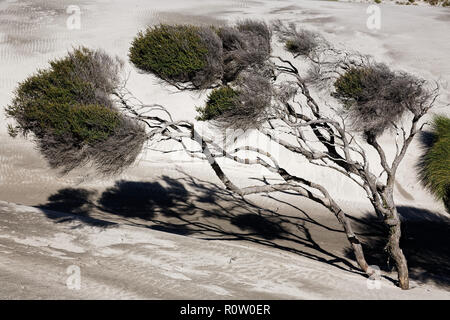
(193, 207)
(424, 241)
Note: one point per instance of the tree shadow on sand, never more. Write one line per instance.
(206, 211)
(78, 203)
(425, 243)
(192, 207)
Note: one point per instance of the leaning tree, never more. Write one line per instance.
(80, 111)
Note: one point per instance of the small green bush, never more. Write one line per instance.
(180, 53)
(375, 97)
(303, 44)
(299, 42)
(245, 106)
(292, 46)
(219, 101)
(444, 3)
(435, 166)
(350, 86)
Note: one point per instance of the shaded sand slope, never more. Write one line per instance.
(119, 261)
(184, 204)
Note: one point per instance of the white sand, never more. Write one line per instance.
(123, 262)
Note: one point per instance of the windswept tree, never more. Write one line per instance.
(252, 88)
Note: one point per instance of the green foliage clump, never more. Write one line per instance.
(302, 43)
(350, 87)
(292, 46)
(69, 110)
(246, 105)
(173, 53)
(299, 42)
(435, 163)
(375, 97)
(219, 101)
(444, 3)
(86, 123)
(58, 102)
(200, 57)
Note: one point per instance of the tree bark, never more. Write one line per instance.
(392, 221)
(352, 238)
(397, 255)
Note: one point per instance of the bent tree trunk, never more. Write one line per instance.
(327, 201)
(352, 238)
(397, 255)
(392, 221)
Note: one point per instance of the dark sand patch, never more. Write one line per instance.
(152, 18)
(443, 17)
(320, 20)
(285, 9)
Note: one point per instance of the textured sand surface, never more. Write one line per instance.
(124, 262)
